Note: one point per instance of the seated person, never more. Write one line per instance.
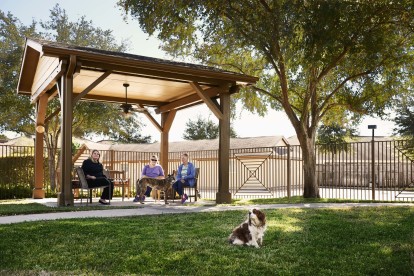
(151, 170)
(185, 177)
(95, 177)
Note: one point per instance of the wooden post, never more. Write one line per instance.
(65, 196)
(167, 119)
(38, 191)
(223, 194)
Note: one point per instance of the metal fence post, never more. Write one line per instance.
(373, 127)
(288, 171)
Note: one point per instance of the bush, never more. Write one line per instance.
(17, 177)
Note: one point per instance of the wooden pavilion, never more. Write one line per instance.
(73, 73)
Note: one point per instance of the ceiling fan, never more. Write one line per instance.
(126, 107)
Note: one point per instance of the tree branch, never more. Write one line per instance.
(265, 5)
(326, 70)
(328, 98)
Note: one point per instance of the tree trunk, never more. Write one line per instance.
(311, 188)
(51, 144)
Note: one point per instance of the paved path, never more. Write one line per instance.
(159, 209)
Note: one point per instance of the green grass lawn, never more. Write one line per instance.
(349, 241)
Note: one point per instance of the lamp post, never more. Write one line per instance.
(373, 127)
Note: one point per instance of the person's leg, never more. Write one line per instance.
(185, 196)
(178, 187)
(99, 182)
(112, 189)
(105, 194)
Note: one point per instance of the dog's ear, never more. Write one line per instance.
(174, 173)
(261, 216)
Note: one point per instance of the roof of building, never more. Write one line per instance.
(212, 144)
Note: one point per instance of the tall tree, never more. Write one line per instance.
(18, 115)
(16, 112)
(404, 121)
(317, 59)
(200, 128)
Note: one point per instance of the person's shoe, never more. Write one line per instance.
(184, 198)
(103, 201)
(136, 199)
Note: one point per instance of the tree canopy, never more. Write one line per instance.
(320, 61)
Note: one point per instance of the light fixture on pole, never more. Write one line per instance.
(40, 128)
(373, 127)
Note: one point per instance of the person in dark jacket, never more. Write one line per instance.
(95, 177)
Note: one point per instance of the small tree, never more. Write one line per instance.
(404, 122)
(333, 138)
(203, 129)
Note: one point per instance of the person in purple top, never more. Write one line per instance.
(151, 170)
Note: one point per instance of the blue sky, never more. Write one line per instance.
(106, 15)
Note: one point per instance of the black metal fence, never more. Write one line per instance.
(343, 170)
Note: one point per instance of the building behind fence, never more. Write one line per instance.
(343, 171)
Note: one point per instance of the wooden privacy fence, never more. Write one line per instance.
(343, 170)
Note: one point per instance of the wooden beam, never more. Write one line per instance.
(107, 99)
(186, 101)
(152, 120)
(200, 92)
(91, 86)
(169, 120)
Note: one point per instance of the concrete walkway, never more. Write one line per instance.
(152, 208)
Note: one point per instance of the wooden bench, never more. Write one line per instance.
(84, 185)
(119, 180)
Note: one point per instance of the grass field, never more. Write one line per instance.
(349, 241)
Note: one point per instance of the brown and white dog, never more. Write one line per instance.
(251, 231)
(158, 184)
